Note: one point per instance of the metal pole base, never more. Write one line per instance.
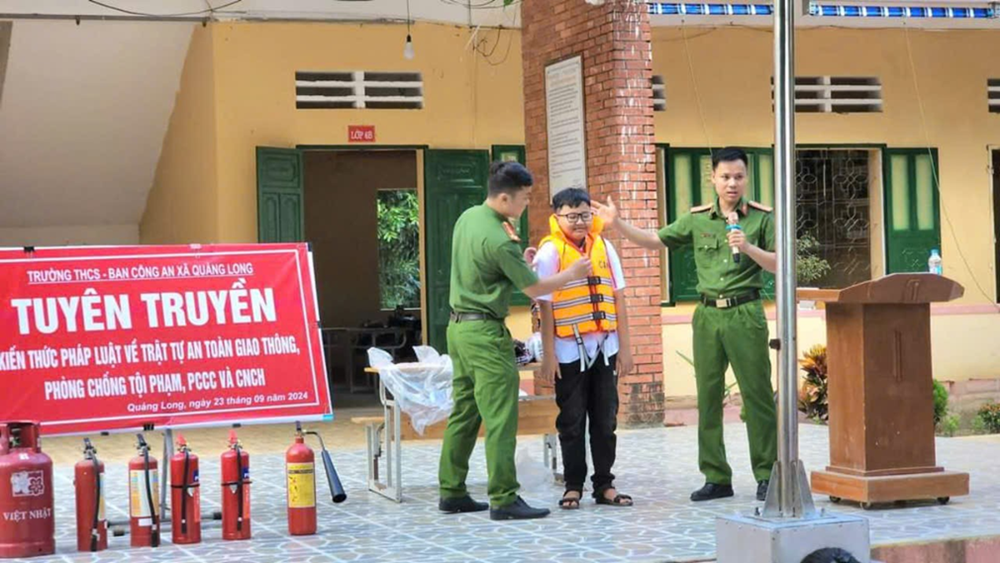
(746, 539)
(796, 485)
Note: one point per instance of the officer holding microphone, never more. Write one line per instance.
(733, 241)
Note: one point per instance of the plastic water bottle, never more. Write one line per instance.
(934, 263)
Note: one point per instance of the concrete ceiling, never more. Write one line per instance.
(84, 108)
(451, 11)
(83, 115)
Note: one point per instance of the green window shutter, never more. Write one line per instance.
(912, 214)
(454, 180)
(761, 189)
(689, 184)
(515, 153)
(279, 195)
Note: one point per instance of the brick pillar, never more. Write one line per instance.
(613, 40)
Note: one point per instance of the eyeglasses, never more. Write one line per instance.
(578, 217)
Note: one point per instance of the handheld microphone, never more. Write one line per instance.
(733, 224)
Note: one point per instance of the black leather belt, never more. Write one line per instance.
(465, 317)
(731, 301)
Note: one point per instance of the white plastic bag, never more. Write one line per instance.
(531, 472)
(422, 389)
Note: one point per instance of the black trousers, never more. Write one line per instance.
(581, 395)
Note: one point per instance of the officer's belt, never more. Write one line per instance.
(731, 301)
(457, 317)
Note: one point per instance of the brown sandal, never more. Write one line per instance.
(619, 500)
(570, 503)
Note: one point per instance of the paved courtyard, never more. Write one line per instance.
(656, 466)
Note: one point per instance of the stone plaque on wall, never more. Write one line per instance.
(566, 128)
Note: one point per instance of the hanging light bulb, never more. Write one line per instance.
(408, 52)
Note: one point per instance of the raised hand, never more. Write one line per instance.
(606, 211)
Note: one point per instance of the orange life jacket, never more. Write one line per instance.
(586, 305)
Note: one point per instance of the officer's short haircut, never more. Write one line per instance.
(729, 154)
(570, 197)
(508, 178)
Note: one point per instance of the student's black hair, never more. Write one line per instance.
(570, 197)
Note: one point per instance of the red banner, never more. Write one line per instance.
(104, 338)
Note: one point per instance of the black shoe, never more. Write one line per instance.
(517, 510)
(762, 489)
(461, 504)
(712, 491)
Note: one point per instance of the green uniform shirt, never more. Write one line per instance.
(705, 229)
(486, 263)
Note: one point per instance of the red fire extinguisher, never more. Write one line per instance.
(28, 525)
(143, 498)
(235, 491)
(185, 495)
(88, 478)
(300, 468)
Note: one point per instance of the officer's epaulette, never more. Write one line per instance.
(509, 229)
(759, 206)
(701, 208)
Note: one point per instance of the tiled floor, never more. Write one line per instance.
(656, 466)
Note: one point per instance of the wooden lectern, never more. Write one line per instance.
(881, 391)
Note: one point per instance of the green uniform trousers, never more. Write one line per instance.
(737, 336)
(485, 390)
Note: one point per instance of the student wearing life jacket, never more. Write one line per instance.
(585, 345)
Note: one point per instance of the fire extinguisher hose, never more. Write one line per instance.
(337, 493)
(94, 534)
(184, 490)
(155, 538)
(239, 489)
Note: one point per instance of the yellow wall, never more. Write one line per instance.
(182, 205)
(519, 322)
(732, 68)
(237, 92)
(469, 103)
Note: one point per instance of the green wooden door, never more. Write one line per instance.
(911, 212)
(515, 153)
(761, 189)
(689, 184)
(454, 180)
(279, 195)
(689, 173)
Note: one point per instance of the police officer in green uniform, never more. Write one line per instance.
(486, 266)
(733, 242)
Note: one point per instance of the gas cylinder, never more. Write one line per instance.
(300, 469)
(235, 465)
(185, 495)
(27, 523)
(88, 480)
(143, 498)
